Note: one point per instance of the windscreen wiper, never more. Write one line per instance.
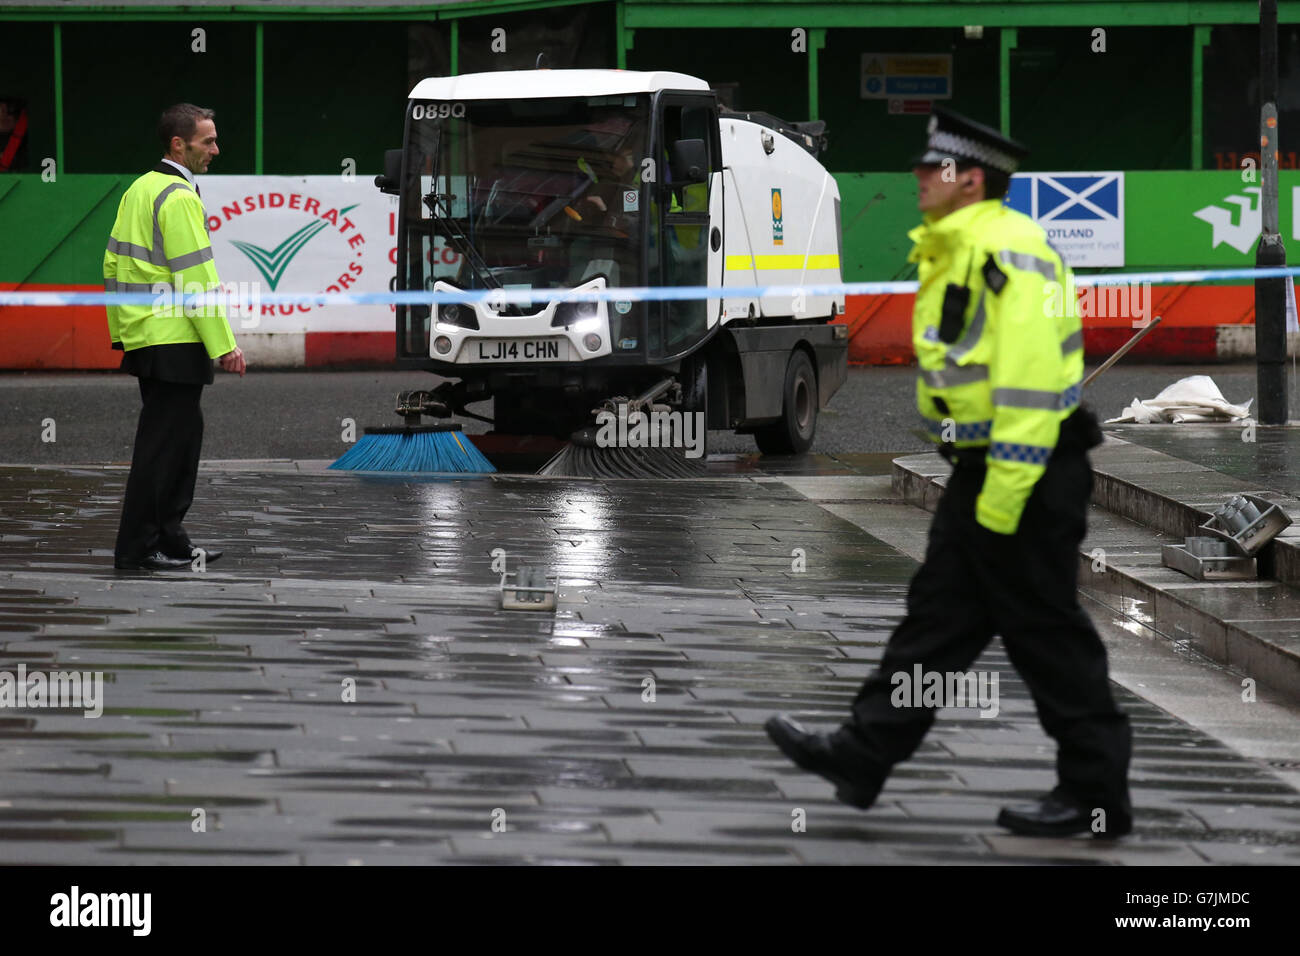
(444, 222)
(459, 242)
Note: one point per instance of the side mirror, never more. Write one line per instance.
(689, 162)
(390, 181)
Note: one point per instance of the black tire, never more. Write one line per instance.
(793, 432)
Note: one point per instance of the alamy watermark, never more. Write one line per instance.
(77, 909)
(61, 689)
(658, 428)
(922, 688)
(240, 300)
(1127, 301)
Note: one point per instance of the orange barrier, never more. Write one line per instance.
(880, 326)
(63, 337)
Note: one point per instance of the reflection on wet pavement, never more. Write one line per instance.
(343, 687)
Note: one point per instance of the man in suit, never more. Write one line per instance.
(159, 244)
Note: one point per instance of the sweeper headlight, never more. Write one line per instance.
(461, 316)
(442, 345)
(572, 313)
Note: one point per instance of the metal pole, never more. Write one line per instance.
(259, 97)
(1006, 43)
(1200, 39)
(58, 99)
(816, 41)
(1270, 294)
(1123, 350)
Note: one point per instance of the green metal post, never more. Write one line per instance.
(1008, 41)
(1200, 40)
(58, 98)
(258, 129)
(620, 50)
(816, 40)
(455, 47)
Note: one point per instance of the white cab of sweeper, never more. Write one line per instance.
(581, 180)
(782, 223)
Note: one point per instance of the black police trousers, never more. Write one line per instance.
(164, 468)
(975, 584)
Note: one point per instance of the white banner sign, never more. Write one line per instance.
(304, 234)
(1082, 213)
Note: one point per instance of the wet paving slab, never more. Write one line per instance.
(343, 686)
(1265, 456)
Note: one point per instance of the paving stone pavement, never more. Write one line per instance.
(342, 687)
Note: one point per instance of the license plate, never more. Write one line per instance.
(518, 350)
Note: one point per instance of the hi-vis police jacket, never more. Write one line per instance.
(1004, 371)
(161, 238)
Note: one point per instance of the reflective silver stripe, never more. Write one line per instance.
(955, 375)
(1023, 260)
(972, 336)
(1072, 342)
(154, 256)
(1037, 398)
(1027, 398)
(160, 288)
(157, 226)
(189, 259)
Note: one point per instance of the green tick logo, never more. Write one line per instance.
(273, 262)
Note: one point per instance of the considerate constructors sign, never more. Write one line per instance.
(307, 234)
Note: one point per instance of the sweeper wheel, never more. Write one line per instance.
(792, 433)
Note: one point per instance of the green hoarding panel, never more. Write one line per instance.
(876, 212)
(54, 232)
(1192, 219)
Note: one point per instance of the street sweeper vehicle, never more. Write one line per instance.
(517, 182)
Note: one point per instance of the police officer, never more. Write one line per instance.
(160, 239)
(1000, 353)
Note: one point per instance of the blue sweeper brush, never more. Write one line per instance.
(441, 448)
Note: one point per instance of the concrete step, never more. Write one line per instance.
(1143, 500)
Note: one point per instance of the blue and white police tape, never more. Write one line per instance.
(495, 297)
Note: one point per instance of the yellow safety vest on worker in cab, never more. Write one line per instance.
(1003, 367)
(160, 239)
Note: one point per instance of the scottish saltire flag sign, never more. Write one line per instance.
(1083, 213)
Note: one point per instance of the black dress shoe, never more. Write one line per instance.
(816, 753)
(1057, 815)
(209, 555)
(152, 562)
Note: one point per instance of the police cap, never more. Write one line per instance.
(953, 136)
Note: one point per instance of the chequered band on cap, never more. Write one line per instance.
(964, 146)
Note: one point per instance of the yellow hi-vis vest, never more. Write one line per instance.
(160, 239)
(1012, 371)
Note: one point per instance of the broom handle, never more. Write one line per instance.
(1123, 350)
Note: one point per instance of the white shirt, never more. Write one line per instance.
(184, 172)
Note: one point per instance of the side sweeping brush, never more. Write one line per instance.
(439, 448)
(587, 457)
(583, 458)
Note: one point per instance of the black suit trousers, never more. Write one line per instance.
(164, 468)
(975, 584)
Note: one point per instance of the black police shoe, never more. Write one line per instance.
(1058, 815)
(152, 562)
(816, 753)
